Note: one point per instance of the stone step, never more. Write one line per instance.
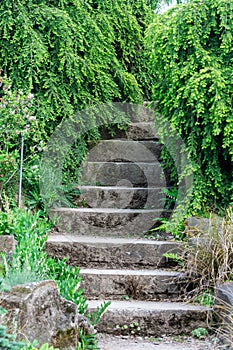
(121, 197)
(107, 252)
(125, 150)
(142, 131)
(123, 174)
(145, 130)
(136, 284)
(106, 221)
(151, 318)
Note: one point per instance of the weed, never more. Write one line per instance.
(135, 288)
(200, 333)
(95, 316)
(177, 229)
(175, 257)
(205, 298)
(128, 329)
(87, 342)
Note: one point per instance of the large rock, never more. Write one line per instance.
(7, 244)
(37, 311)
(223, 311)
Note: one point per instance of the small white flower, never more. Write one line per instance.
(30, 96)
(32, 117)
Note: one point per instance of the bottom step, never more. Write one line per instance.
(151, 318)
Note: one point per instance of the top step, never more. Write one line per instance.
(143, 130)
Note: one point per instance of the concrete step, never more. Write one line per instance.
(125, 150)
(107, 252)
(147, 318)
(136, 284)
(123, 174)
(121, 197)
(106, 221)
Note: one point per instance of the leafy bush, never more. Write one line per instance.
(29, 262)
(70, 54)
(191, 48)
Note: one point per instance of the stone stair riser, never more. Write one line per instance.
(152, 323)
(136, 131)
(123, 173)
(125, 150)
(142, 131)
(133, 255)
(118, 197)
(144, 287)
(123, 223)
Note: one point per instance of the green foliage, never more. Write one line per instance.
(128, 329)
(16, 119)
(175, 227)
(95, 316)
(69, 54)
(87, 342)
(33, 346)
(7, 341)
(175, 257)
(171, 197)
(191, 60)
(29, 262)
(200, 333)
(206, 298)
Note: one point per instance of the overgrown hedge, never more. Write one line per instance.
(191, 58)
(71, 54)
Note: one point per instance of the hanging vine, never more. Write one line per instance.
(192, 62)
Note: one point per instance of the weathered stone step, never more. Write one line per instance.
(106, 221)
(125, 150)
(135, 284)
(107, 252)
(151, 318)
(122, 197)
(123, 174)
(144, 130)
(135, 131)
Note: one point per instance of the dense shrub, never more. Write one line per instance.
(191, 59)
(69, 54)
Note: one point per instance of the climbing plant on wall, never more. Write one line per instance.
(192, 62)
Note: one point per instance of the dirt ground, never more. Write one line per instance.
(107, 342)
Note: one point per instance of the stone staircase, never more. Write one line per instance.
(121, 197)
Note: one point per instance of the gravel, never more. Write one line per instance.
(108, 342)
